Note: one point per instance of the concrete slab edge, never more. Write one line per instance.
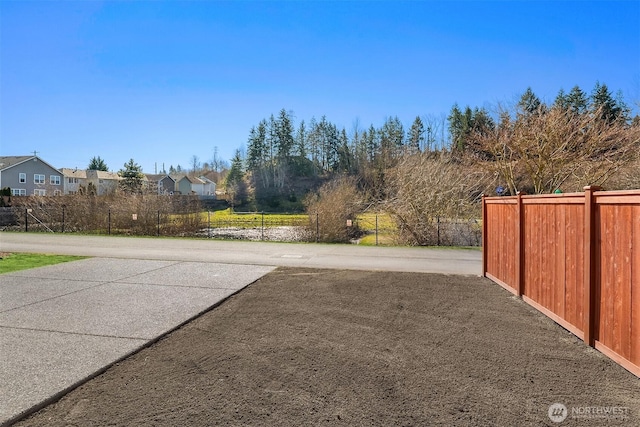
(59, 395)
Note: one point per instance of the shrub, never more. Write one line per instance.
(427, 190)
(336, 202)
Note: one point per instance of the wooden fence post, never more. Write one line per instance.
(484, 236)
(519, 246)
(590, 263)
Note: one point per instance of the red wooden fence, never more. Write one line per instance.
(576, 258)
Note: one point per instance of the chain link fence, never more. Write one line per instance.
(184, 216)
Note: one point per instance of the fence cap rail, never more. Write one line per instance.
(496, 200)
(553, 195)
(632, 193)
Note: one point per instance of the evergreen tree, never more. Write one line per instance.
(300, 148)
(481, 121)
(482, 124)
(284, 136)
(345, 157)
(313, 142)
(359, 148)
(461, 126)
(392, 137)
(323, 143)
(97, 164)
(625, 110)
(258, 162)
(562, 100)
(234, 183)
(331, 145)
(372, 142)
(456, 128)
(415, 138)
(577, 101)
(132, 177)
(603, 103)
(236, 172)
(255, 149)
(529, 103)
(272, 141)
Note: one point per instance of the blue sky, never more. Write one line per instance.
(162, 81)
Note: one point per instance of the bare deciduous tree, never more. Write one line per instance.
(424, 188)
(545, 150)
(337, 202)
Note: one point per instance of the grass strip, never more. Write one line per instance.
(10, 262)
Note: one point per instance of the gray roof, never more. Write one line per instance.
(158, 177)
(8, 161)
(191, 179)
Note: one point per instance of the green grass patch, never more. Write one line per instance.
(227, 218)
(367, 221)
(383, 240)
(23, 261)
(228, 214)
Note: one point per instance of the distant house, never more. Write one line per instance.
(209, 188)
(201, 186)
(105, 182)
(75, 180)
(80, 181)
(162, 184)
(30, 176)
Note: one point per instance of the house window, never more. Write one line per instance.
(18, 192)
(40, 192)
(54, 179)
(22, 177)
(38, 178)
(57, 192)
(73, 180)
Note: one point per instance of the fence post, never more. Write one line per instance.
(317, 229)
(376, 229)
(208, 223)
(109, 223)
(484, 236)
(63, 218)
(438, 221)
(262, 235)
(519, 246)
(590, 263)
(26, 220)
(158, 223)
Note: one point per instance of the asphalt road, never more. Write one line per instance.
(353, 257)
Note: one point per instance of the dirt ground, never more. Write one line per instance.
(352, 348)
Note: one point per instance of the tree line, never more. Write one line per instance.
(279, 153)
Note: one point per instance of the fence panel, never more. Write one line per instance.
(617, 331)
(554, 257)
(501, 227)
(576, 258)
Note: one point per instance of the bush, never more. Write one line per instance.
(336, 202)
(426, 191)
(177, 215)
